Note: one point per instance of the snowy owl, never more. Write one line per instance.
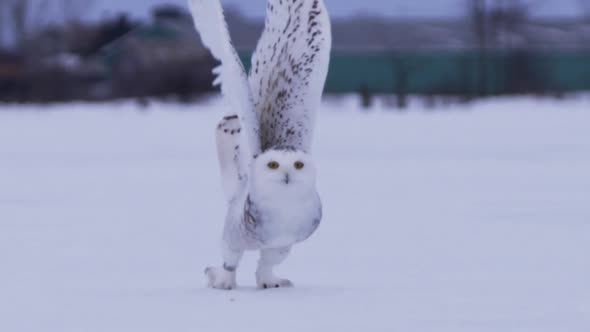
(264, 148)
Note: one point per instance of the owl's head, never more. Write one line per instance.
(284, 168)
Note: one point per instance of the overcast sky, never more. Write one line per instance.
(427, 8)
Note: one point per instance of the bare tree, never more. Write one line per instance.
(74, 10)
(403, 66)
(478, 19)
(508, 20)
(18, 18)
(24, 17)
(477, 14)
(585, 31)
(20, 11)
(2, 20)
(585, 7)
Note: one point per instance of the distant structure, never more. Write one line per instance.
(369, 34)
(445, 57)
(165, 55)
(117, 58)
(492, 51)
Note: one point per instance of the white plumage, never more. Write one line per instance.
(267, 171)
(210, 22)
(288, 73)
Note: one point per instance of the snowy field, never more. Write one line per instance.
(473, 218)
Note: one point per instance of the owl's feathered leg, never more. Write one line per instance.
(269, 258)
(224, 277)
(228, 152)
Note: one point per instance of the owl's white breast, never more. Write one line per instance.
(288, 216)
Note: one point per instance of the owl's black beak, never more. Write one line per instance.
(287, 179)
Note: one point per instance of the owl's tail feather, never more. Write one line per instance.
(228, 151)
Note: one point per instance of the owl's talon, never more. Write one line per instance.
(275, 283)
(220, 278)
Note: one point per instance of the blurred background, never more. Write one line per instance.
(468, 211)
(63, 50)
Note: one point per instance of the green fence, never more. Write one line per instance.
(458, 72)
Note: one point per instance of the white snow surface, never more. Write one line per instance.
(469, 218)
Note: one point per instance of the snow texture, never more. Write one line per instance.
(475, 218)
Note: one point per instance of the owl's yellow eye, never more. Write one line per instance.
(273, 165)
(299, 165)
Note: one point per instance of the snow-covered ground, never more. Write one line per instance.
(475, 218)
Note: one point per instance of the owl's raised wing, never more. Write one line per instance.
(289, 70)
(211, 25)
